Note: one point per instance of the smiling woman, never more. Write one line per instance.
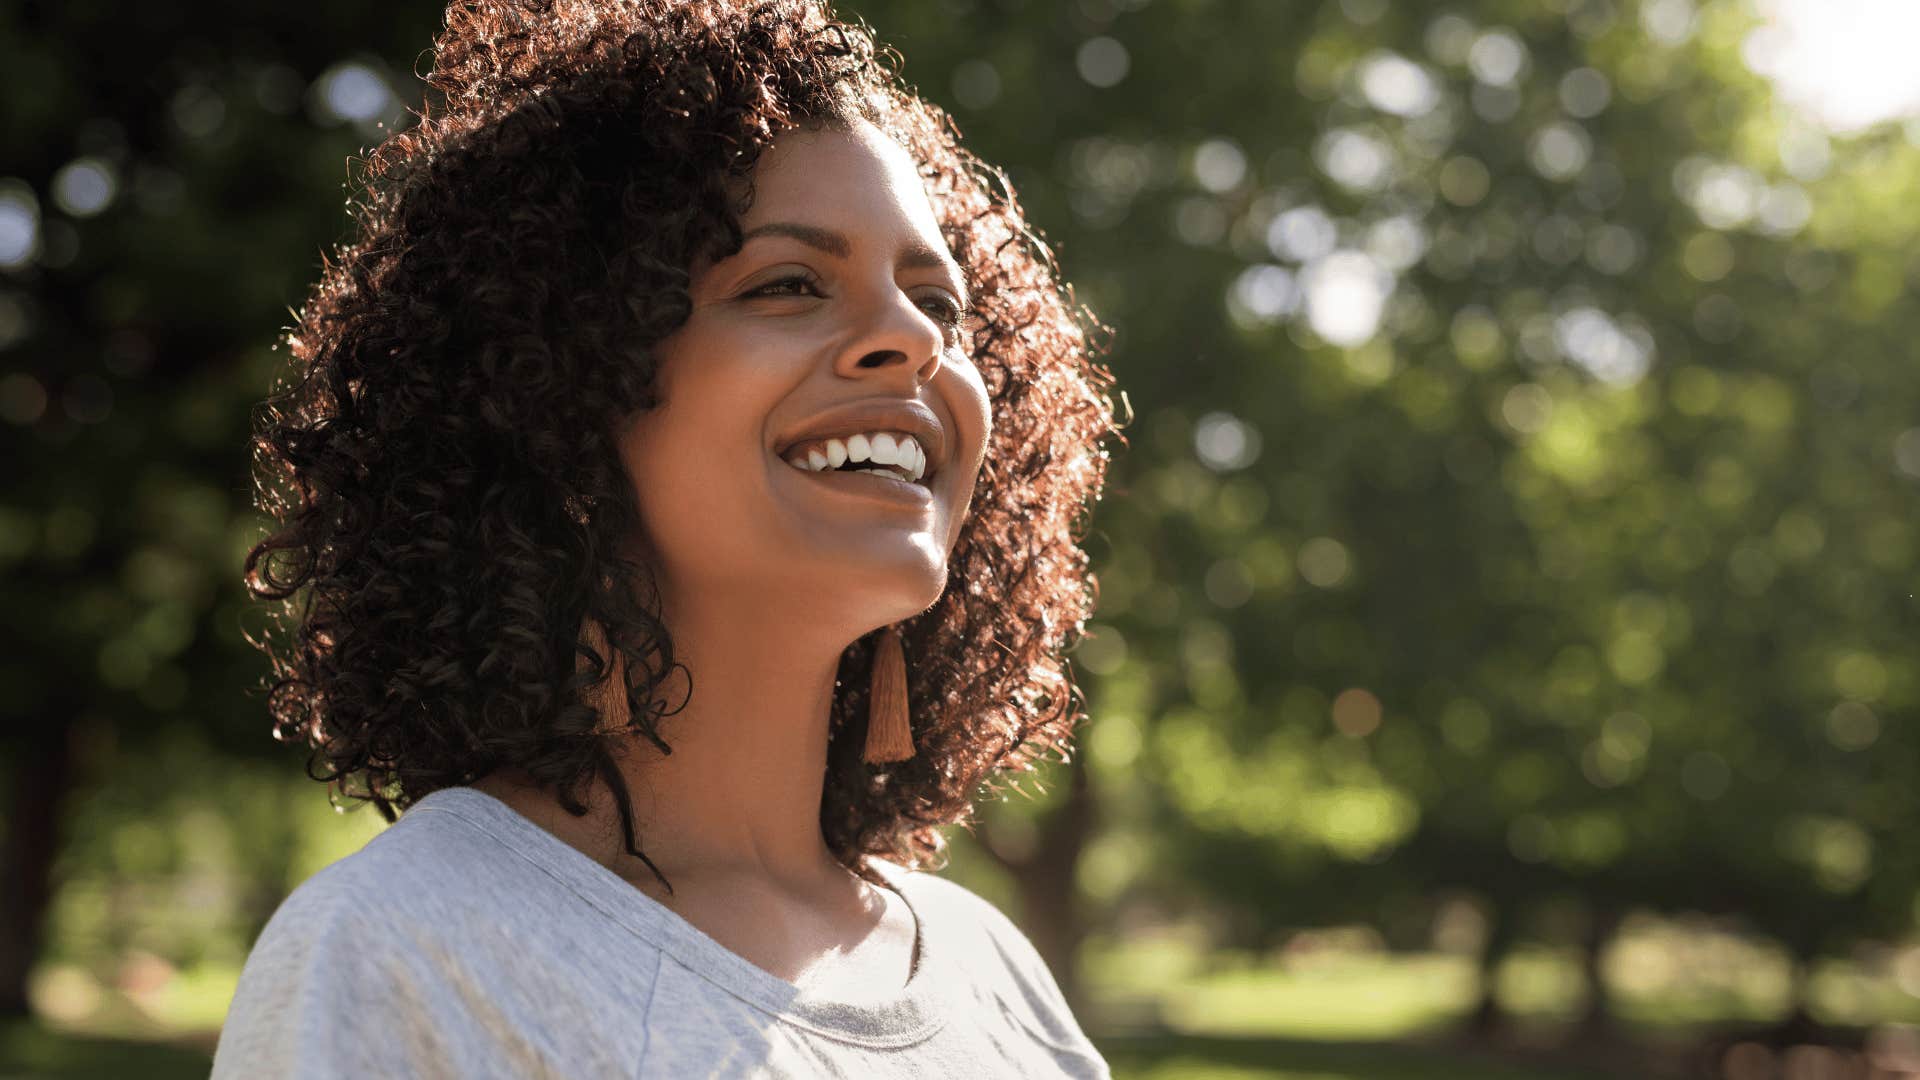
(679, 483)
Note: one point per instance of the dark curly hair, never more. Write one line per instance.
(451, 513)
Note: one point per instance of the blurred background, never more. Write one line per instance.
(1505, 663)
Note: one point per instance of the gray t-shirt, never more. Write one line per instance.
(467, 941)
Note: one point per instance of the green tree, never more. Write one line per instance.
(1519, 507)
(170, 176)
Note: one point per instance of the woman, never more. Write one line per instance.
(678, 497)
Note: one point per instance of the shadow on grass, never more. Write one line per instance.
(28, 1049)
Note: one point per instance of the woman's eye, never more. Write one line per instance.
(953, 315)
(944, 310)
(782, 286)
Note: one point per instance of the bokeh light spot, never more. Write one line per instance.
(1302, 234)
(1497, 58)
(1584, 93)
(84, 187)
(1852, 726)
(19, 223)
(1356, 713)
(1847, 64)
(1346, 294)
(976, 84)
(1324, 562)
(1356, 160)
(1906, 452)
(1102, 61)
(1261, 295)
(22, 399)
(1224, 442)
(1464, 181)
(1708, 257)
(1394, 84)
(1526, 408)
(1219, 165)
(353, 91)
(1560, 150)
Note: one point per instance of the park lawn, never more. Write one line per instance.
(1178, 1057)
(1371, 995)
(33, 1050)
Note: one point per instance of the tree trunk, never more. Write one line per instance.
(1597, 1020)
(43, 768)
(1487, 1022)
(1799, 1025)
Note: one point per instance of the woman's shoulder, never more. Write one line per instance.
(436, 942)
(957, 911)
(421, 862)
(977, 931)
(455, 863)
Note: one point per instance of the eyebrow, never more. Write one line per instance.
(916, 255)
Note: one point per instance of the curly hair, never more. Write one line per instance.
(450, 512)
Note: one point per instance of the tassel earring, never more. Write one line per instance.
(889, 737)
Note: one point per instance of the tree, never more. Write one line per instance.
(167, 188)
(1529, 525)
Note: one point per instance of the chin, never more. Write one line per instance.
(906, 593)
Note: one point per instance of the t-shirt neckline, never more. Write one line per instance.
(913, 1012)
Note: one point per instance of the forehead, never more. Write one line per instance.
(855, 179)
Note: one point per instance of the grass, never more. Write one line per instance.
(32, 1050)
(1164, 982)
(1190, 1057)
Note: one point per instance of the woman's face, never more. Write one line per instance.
(836, 323)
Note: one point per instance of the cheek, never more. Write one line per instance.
(647, 453)
(661, 445)
(700, 449)
(973, 427)
(687, 459)
(973, 412)
(661, 452)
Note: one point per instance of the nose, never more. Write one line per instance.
(895, 336)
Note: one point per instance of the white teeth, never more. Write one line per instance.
(901, 451)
